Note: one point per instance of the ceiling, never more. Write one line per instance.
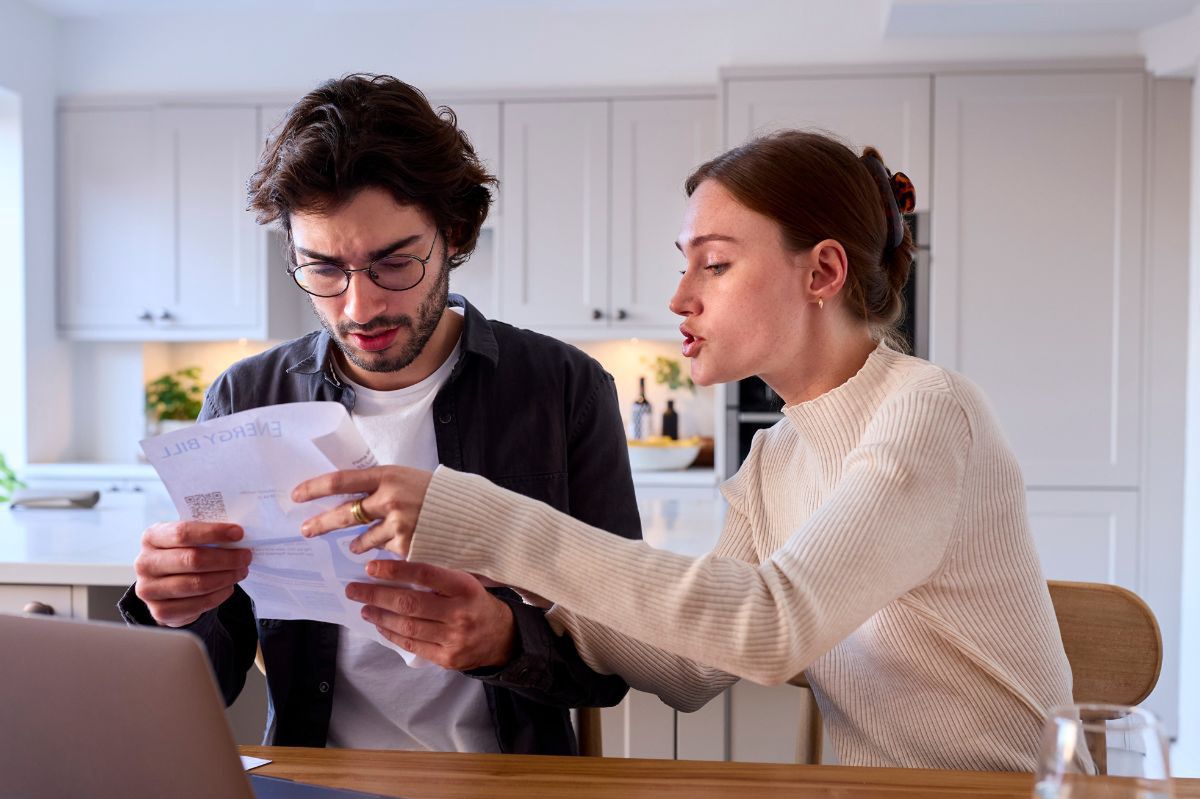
(901, 18)
(1029, 17)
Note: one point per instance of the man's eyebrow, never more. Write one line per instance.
(408, 241)
(707, 237)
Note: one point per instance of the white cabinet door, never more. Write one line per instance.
(1036, 275)
(889, 114)
(656, 145)
(477, 279)
(1086, 536)
(481, 123)
(641, 726)
(554, 232)
(115, 220)
(157, 244)
(219, 247)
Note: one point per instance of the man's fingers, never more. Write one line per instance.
(447, 582)
(423, 630)
(179, 612)
(401, 601)
(183, 586)
(167, 535)
(352, 481)
(434, 653)
(190, 560)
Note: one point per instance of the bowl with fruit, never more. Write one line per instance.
(660, 453)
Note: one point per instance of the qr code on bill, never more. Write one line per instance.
(208, 507)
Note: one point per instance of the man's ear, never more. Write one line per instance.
(829, 269)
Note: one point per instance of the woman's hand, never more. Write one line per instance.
(394, 496)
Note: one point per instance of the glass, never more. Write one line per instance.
(393, 272)
(1083, 743)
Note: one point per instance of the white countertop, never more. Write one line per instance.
(98, 546)
(78, 547)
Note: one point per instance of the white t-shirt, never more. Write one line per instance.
(379, 702)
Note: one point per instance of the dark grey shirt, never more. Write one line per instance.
(526, 411)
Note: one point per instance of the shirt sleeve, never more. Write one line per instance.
(883, 530)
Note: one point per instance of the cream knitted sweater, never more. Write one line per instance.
(876, 540)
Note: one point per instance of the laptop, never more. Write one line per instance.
(105, 710)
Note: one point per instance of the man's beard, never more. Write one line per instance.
(429, 314)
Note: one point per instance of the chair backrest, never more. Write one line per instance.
(1112, 641)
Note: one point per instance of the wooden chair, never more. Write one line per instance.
(591, 743)
(1112, 642)
(1114, 646)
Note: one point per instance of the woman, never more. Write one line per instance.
(876, 538)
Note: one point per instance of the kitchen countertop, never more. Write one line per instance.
(97, 546)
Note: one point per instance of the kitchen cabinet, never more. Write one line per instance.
(156, 244)
(593, 202)
(1037, 268)
(891, 114)
(1087, 536)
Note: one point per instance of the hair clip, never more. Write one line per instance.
(904, 192)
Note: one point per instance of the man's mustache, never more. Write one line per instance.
(377, 324)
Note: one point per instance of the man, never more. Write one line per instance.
(381, 198)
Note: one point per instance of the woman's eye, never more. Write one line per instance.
(717, 269)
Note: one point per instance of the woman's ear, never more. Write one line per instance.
(829, 266)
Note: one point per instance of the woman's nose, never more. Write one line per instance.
(683, 302)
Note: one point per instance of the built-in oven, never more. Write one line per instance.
(751, 405)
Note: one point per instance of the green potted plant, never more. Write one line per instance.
(174, 400)
(8, 480)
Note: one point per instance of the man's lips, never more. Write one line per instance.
(374, 342)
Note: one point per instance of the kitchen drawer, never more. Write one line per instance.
(14, 598)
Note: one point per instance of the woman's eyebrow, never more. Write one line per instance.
(707, 237)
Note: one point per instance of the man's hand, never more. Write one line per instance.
(180, 576)
(460, 626)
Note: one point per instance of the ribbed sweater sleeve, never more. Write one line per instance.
(682, 683)
(883, 530)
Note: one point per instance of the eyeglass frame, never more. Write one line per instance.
(369, 269)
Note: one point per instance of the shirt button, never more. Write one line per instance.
(323, 687)
(446, 418)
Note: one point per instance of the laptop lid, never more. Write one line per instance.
(101, 709)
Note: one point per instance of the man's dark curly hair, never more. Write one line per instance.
(373, 131)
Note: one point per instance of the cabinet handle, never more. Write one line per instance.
(146, 316)
(597, 314)
(622, 314)
(40, 608)
(166, 316)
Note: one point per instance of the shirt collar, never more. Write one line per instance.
(477, 338)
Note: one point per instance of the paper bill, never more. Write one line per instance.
(242, 468)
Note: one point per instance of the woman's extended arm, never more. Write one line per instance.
(884, 530)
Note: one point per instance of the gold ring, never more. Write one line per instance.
(359, 514)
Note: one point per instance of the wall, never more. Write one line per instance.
(1187, 752)
(27, 70)
(518, 43)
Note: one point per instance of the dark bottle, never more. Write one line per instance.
(670, 424)
(641, 417)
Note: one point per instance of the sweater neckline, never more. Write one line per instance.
(838, 415)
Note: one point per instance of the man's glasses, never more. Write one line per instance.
(392, 272)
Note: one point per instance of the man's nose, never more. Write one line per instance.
(364, 299)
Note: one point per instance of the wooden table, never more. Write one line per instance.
(436, 775)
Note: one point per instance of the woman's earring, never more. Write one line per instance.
(820, 302)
